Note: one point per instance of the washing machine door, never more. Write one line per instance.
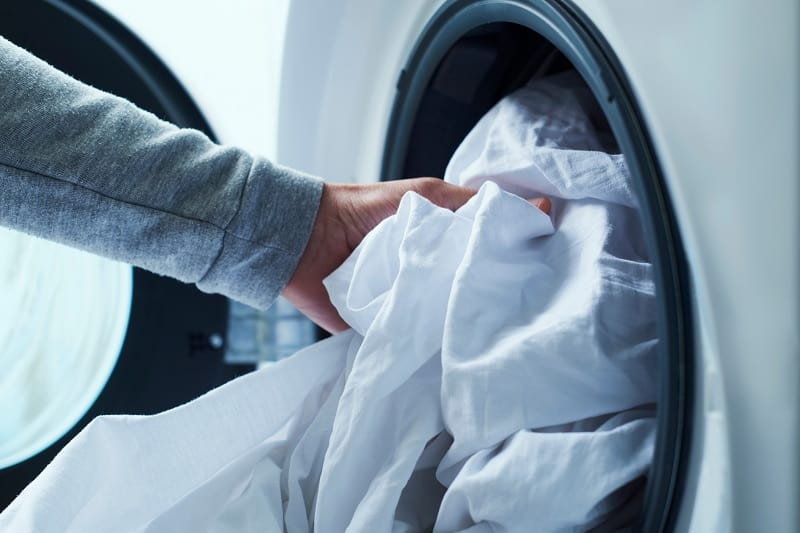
(174, 344)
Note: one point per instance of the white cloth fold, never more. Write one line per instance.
(499, 375)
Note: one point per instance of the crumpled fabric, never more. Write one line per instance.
(499, 374)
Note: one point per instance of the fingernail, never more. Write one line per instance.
(543, 204)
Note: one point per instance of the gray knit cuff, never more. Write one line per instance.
(264, 241)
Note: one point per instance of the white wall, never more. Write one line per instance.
(227, 55)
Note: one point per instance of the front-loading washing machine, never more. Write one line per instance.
(703, 101)
(702, 98)
(172, 347)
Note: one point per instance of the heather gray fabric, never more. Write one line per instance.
(91, 170)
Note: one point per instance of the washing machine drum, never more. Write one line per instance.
(154, 332)
(471, 55)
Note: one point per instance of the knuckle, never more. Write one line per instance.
(429, 186)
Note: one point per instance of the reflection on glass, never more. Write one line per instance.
(63, 316)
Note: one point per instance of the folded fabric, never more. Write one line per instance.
(499, 375)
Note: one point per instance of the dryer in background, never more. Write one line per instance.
(174, 347)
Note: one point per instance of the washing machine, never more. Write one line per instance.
(169, 340)
(702, 98)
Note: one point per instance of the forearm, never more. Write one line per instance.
(85, 168)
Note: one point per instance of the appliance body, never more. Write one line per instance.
(714, 89)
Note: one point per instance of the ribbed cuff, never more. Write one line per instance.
(264, 241)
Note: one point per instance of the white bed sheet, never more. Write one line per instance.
(499, 376)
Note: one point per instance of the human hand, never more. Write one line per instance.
(346, 214)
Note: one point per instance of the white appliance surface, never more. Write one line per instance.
(719, 88)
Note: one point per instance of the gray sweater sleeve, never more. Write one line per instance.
(93, 171)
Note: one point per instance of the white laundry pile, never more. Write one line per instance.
(500, 373)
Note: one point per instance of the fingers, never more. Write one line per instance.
(453, 197)
(437, 191)
(542, 203)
